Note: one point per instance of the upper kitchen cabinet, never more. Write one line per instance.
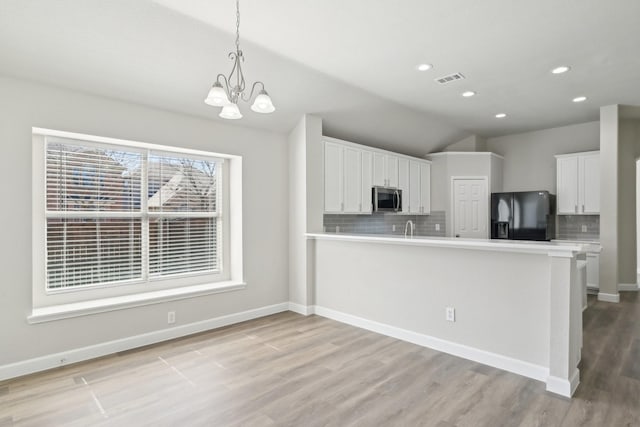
(578, 183)
(418, 198)
(385, 170)
(351, 170)
(347, 179)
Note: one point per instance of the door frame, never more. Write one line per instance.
(452, 202)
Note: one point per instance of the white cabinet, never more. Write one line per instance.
(367, 164)
(333, 180)
(593, 270)
(350, 170)
(578, 183)
(352, 175)
(419, 196)
(347, 179)
(385, 170)
(425, 188)
(404, 184)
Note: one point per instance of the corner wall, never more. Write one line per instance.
(529, 162)
(306, 208)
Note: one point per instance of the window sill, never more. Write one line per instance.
(65, 311)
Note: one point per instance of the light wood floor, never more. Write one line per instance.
(290, 370)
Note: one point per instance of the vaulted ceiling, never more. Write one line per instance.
(351, 62)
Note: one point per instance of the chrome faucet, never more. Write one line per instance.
(409, 225)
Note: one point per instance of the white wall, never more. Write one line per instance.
(529, 162)
(447, 165)
(24, 105)
(306, 171)
(470, 143)
(609, 160)
(629, 140)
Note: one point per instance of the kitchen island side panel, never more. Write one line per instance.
(501, 299)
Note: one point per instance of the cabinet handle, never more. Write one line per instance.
(582, 208)
(576, 209)
(341, 206)
(360, 207)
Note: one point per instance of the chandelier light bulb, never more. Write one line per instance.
(263, 103)
(217, 96)
(230, 112)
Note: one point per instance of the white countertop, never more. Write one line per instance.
(590, 246)
(552, 248)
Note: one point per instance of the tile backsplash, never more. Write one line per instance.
(570, 227)
(381, 223)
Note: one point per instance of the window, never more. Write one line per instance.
(118, 213)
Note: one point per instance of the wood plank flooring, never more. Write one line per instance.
(290, 370)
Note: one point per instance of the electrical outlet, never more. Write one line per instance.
(584, 228)
(393, 227)
(437, 227)
(450, 314)
(171, 317)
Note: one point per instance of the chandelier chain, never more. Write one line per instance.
(237, 24)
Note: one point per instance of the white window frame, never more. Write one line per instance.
(71, 302)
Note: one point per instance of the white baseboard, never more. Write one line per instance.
(608, 297)
(516, 366)
(37, 364)
(305, 310)
(628, 287)
(562, 386)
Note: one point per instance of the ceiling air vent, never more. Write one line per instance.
(450, 78)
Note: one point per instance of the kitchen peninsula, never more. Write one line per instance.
(509, 304)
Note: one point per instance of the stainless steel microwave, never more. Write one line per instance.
(386, 199)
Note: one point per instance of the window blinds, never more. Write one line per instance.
(118, 214)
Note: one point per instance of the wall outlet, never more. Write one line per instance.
(450, 314)
(584, 228)
(171, 317)
(437, 227)
(393, 227)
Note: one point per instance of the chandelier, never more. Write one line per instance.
(227, 91)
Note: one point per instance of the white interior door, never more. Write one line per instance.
(470, 207)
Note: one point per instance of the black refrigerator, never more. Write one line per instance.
(523, 215)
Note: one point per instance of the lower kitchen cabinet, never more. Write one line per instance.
(593, 271)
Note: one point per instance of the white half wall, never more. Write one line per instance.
(24, 105)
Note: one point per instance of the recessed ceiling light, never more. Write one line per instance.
(424, 67)
(501, 116)
(580, 99)
(560, 70)
(468, 93)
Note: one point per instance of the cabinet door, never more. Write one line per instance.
(415, 204)
(352, 173)
(404, 184)
(425, 187)
(593, 271)
(333, 177)
(392, 171)
(379, 170)
(366, 181)
(567, 182)
(589, 169)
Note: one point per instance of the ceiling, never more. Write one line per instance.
(351, 62)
